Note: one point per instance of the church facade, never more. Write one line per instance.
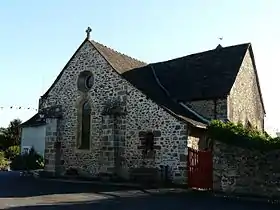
(107, 113)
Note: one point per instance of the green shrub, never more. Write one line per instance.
(3, 161)
(30, 161)
(238, 135)
(12, 152)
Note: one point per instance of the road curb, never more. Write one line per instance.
(243, 198)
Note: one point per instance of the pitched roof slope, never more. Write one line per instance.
(153, 90)
(123, 63)
(120, 62)
(204, 75)
(34, 121)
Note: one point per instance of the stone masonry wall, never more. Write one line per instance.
(51, 138)
(243, 171)
(170, 134)
(244, 99)
(142, 115)
(207, 108)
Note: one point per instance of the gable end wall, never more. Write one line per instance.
(142, 115)
(244, 101)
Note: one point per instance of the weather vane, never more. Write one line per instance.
(220, 41)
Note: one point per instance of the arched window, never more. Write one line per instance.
(86, 118)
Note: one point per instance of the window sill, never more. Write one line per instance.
(150, 155)
(155, 147)
(78, 150)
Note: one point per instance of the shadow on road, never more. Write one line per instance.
(14, 186)
(30, 193)
(151, 202)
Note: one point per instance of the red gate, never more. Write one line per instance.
(200, 169)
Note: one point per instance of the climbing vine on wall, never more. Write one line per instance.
(238, 135)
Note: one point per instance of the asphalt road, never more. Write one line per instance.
(19, 193)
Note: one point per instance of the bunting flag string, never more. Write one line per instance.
(18, 108)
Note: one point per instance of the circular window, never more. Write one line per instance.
(89, 81)
(85, 81)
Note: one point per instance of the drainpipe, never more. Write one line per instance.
(182, 104)
(195, 113)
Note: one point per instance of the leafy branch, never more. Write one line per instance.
(238, 135)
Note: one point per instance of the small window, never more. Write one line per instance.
(149, 141)
(26, 149)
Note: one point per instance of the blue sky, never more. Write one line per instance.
(38, 37)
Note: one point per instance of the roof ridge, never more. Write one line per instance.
(197, 53)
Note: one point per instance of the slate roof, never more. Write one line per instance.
(35, 120)
(151, 89)
(205, 75)
(119, 61)
(123, 64)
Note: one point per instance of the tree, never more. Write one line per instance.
(2, 139)
(10, 135)
(13, 131)
(12, 152)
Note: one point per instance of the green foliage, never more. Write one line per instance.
(30, 161)
(12, 133)
(10, 136)
(238, 135)
(9, 143)
(12, 152)
(3, 161)
(2, 141)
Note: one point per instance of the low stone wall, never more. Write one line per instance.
(244, 171)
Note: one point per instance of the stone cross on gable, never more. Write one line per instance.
(88, 32)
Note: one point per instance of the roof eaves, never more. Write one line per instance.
(32, 125)
(186, 119)
(256, 73)
(34, 121)
(203, 119)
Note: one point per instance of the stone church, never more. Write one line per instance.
(108, 113)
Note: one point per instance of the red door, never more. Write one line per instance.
(200, 169)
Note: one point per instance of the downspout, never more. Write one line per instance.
(159, 83)
(195, 113)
